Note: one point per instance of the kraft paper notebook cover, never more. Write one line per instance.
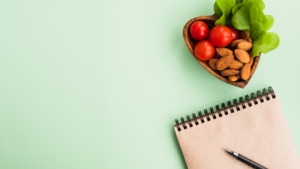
(254, 127)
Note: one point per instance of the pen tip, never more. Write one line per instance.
(228, 151)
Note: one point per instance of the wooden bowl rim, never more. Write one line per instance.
(186, 38)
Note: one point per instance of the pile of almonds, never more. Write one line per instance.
(236, 62)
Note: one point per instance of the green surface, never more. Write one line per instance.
(98, 84)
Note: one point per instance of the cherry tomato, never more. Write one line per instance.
(199, 30)
(235, 33)
(220, 36)
(204, 50)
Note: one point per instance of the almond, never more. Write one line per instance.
(235, 42)
(229, 72)
(244, 35)
(238, 75)
(245, 71)
(233, 78)
(236, 64)
(249, 39)
(224, 62)
(212, 63)
(242, 55)
(224, 51)
(244, 45)
(251, 58)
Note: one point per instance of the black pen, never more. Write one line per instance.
(245, 160)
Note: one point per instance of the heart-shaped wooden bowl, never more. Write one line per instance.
(190, 43)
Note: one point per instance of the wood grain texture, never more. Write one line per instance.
(190, 43)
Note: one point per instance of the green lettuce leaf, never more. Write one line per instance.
(265, 43)
(248, 15)
(250, 11)
(266, 20)
(255, 25)
(241, 18)
(256, 30)
(217, 10)
(225, 7)
(259, 4)
(236, 8)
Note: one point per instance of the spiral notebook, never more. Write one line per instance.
(254, 127)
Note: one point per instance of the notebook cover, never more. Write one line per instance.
(259, 132)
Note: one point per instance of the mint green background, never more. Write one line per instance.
(98, 84)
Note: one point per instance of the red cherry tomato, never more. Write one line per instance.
(220, 36)
(199, 30)
(235, 33)
(204, 50)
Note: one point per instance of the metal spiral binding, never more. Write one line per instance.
(225, 109)
(236, 104)
(242, 101)
(219, 111)
(260, 96)
(248, 101)
(206, 114)
(201, 117)
(182, 121)
(253, 97)
(195, 118)
(177, 124)
(247, 98)
(230, 106)
(213, 112)
(271, 90)
(265, 92)
(189, 119)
